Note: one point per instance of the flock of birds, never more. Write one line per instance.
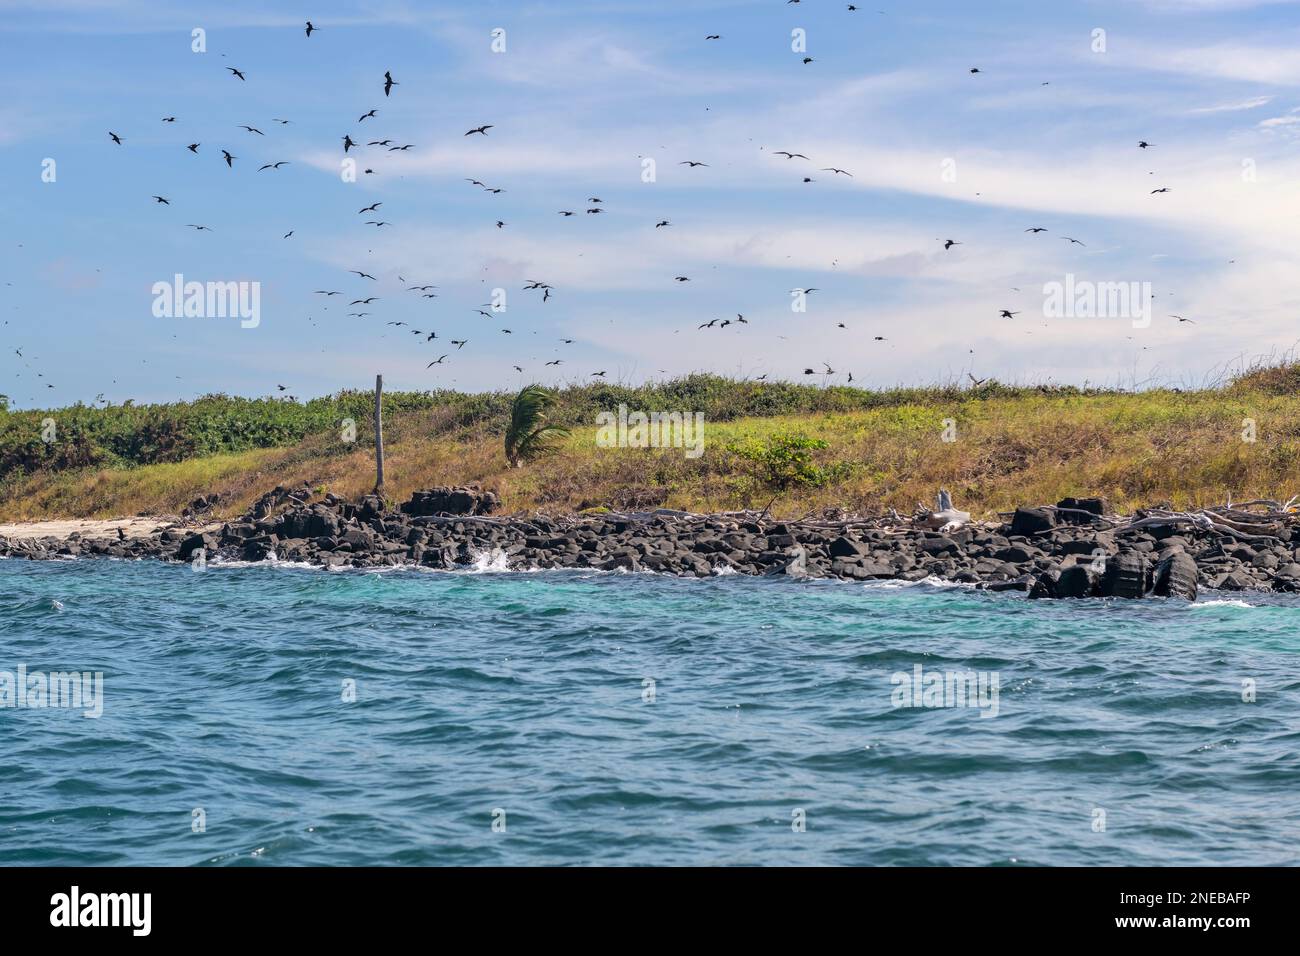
(362, 304)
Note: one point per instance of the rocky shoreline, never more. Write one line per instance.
(1067, 550)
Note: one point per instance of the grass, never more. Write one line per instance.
(1012, 446)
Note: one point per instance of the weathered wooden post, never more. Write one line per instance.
(379, 434)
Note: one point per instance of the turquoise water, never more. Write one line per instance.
(523, 699)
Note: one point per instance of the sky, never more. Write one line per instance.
(1044, 136)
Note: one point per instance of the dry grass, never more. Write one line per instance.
(1136, 449)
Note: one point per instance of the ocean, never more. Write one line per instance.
(275, 715)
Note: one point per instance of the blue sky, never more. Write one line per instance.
(585, 91)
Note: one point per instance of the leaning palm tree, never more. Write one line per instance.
(529, 436)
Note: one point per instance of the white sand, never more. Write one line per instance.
(134, 527)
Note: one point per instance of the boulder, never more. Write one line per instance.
(1126, 575)
(452, 501)
(1175, 576)
(1032, 521)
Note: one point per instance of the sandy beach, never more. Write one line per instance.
(88, 528)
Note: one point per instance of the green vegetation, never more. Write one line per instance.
(529, 436)
(814, 447)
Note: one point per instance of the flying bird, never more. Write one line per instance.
(117, 139)
(237, 73)
(365, 115)
(230, 160)
(165, 202)
(389, 82)
(310, 28)
(480, 129)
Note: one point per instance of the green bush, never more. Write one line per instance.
(785, 461)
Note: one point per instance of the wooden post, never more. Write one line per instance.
(379, 434)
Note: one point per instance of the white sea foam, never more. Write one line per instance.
(1221, 603)
(888, 584)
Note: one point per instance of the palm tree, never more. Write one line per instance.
(529, 436)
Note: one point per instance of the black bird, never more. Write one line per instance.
(832, 169)
(283, 162)
(252, 129)
(789, 155)
(660, 225)
(1036, 229)
(565, 212)
(437, 361)
(709, 324)
(681, 279)
(598, 374)
(459, 343)
(117, 139)
(169, 119)
(691, 163)
(389, 82)
(323, 292)
(364, 275)
(310, 28)
(1162, 189)
(373, 298)
(379, 142)
(237, 73)
(1143, 144)
(347, 142)
(287, 234)
(556, 362)
(193, 147)
(1075, 241)
(480, 129)
(1007, 315)
(365, 115)
(230, 160)
(160, 199)
(369, 208)
(949, 243)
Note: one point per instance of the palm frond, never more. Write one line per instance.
(528, 435)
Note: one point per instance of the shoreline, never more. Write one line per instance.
(1070, 550)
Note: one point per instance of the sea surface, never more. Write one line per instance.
(275, 715)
